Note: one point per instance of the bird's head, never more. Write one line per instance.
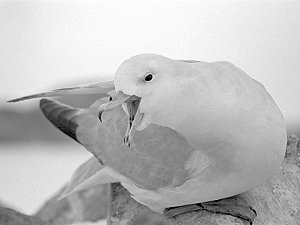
(146, 87)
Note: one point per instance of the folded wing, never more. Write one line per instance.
(157, 158)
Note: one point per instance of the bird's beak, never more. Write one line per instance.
(113, 103)
(132, 105)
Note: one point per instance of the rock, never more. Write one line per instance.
(292, 154)
(12, 217)
(149, 219)
(277, 202)
(99, 222)
(89, 205)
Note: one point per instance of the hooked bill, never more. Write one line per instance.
(131, 105)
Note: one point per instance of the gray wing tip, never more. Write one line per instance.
(19, 99)
(44, 101)
(61, 116)
(28, 97)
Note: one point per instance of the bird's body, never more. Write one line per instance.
(208, 131)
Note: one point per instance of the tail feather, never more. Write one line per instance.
(61, 116)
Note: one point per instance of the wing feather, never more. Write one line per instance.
(104, 88)
(90, 174)
(61, 116)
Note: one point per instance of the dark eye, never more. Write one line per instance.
(149, 77)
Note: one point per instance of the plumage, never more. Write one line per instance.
(206, 131)
(155, 160)
(104, 88)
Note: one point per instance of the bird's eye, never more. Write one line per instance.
(148, 77)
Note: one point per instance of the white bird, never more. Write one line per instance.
(205, 131)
